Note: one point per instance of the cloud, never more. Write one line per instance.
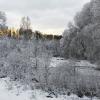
(45, 15)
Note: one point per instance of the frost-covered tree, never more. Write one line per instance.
(84, 17)
(68, 36)
(25, 23)
(86, 23)
(3, 20)
(25, 28)
(82, 47)
(96, 10)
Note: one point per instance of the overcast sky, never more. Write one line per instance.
(50, 16)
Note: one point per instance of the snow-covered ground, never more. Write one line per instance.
(13, 91)
(84, 66)
(57, 61)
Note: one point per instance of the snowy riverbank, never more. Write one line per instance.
(14, 91)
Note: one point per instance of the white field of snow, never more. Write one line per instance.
(57, 61)
(13, 91)
(86, 68)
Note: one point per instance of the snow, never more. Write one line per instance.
(56, 61)
(14, 91)
(7, 93)
(85, 63)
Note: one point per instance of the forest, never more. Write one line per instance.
(64, 64)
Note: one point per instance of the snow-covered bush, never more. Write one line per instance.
(61, 76)
(22, 60)
(65, 77)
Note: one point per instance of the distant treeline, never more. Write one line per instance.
(24, 31)
(28, 34)
(47, 36)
